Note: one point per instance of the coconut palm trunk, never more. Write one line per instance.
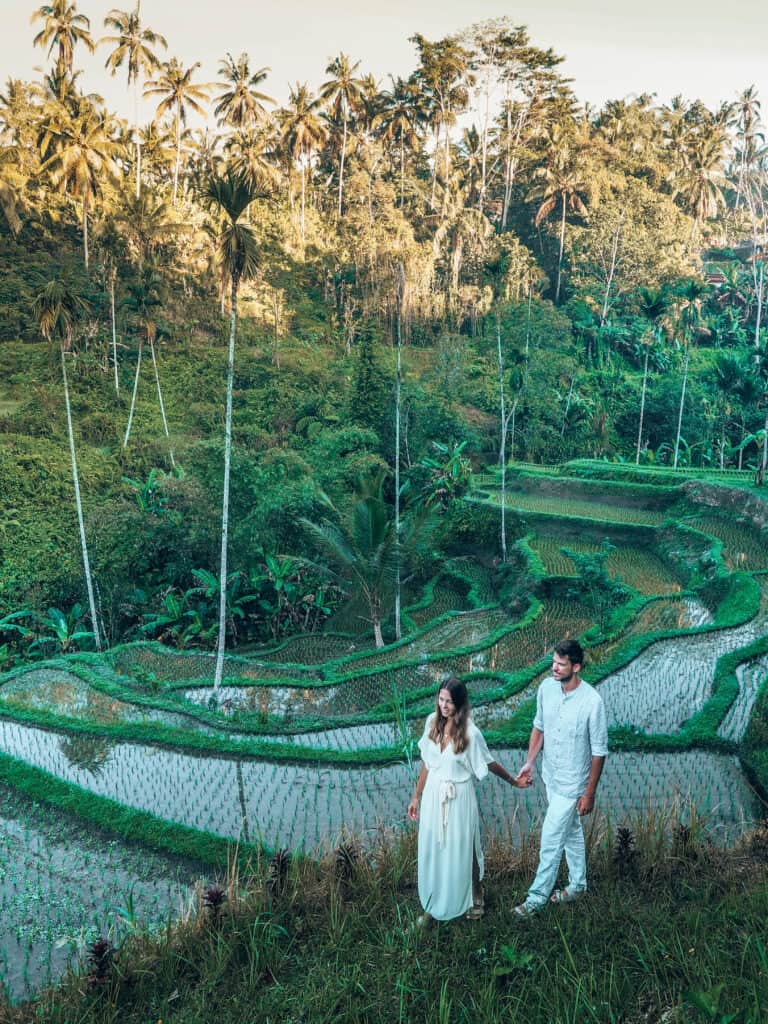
(222, 641)
(162, 404)
(503, 445)
(133, 396)
(114, 329)
(79, 504)
(642, 407)
(682, 404)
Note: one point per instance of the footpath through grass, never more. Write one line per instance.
(673, 931)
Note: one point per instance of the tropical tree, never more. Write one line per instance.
(63, 28)
(229, 196)
(57, 308)
(653, 306)
(562, 181)
(239, 102)
(362, 541)
(689, 302)
(302, 133)
(78, 151)
(179, 94)
(134, 48)
(343, 93)
(400, 118)
(701, 179)
(729, 370)
(445, 77)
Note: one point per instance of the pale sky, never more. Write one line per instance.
(699, 48)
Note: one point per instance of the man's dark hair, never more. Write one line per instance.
(572, 650)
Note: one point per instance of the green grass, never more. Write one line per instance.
(658, 932)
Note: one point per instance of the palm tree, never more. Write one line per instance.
(400, 118)
(653, 306)
(78, 149)
(363, 542)
(729, 371)
(179, 94)
(63, 28)
(302, 132)
(251, 154)
(701, 177)
(230, 196)
(57, 308)
(563, 181)
(343, 93)
(144, 222)
(134, 48)
(690, 300)
(240, 105)
(9, 191)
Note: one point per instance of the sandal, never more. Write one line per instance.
(564, 896)
(477, 910)
(523, 910)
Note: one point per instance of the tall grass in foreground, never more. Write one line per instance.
(673, 930)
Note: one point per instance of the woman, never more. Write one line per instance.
(453, 754)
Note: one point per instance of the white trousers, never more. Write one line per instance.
(561, 832)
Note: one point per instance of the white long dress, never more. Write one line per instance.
(449, 823)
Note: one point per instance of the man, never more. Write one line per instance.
(570, 725)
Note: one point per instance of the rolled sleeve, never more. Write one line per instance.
(538, 721)
(598, 730)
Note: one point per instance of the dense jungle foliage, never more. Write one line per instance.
(273, 346)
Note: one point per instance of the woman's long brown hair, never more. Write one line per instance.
(460, 698)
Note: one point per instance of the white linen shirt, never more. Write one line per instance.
(575, 730)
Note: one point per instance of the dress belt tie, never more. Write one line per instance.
(446, 793)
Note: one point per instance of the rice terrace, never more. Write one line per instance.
(321, 399)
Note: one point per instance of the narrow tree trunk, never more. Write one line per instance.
(133, 396)
(682, 403)
(85, 231)
(611, 273)
(642, 408)
(759, 295)
(225, 498)
(162, 404)
(400, 297)
(402, 170)
(137, 136)
(178, 157)
(302, 198)
(560, 256)
(114, 330)
(341, 161)
(79, 505)
(503, 446)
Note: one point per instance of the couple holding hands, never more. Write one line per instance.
(570, 728)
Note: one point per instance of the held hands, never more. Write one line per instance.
(413, 809)
(524, 777)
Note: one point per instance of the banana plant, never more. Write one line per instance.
(65, 632)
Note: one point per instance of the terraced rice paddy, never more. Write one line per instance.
(288, 693)
(672, 680)
(310, 807)
(579, 508)
(751, 677)
(641, 569)
(743, 547)
(62, 885)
